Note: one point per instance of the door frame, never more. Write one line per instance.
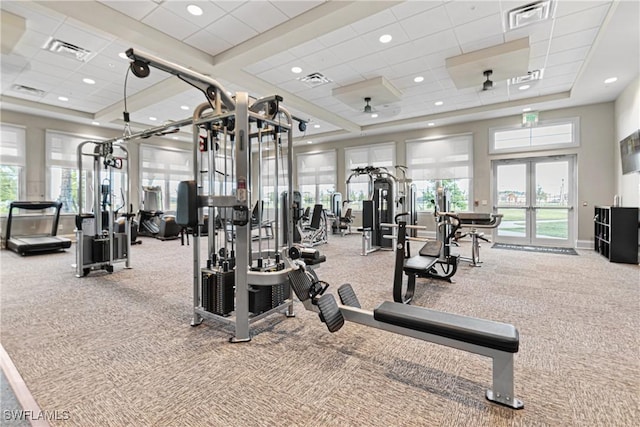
(530, 209)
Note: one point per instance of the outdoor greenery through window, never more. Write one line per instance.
(269, 194)
(317, 178)
(379, 155)
(62, 167)
(447, 162)
(12, 163)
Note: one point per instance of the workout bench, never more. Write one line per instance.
(499, 341)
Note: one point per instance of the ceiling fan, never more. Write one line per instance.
(488, 84)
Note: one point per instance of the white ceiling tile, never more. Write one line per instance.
(462, 12)
(306, 48)
(412, 8)
(570, 7)
(230, 5)
(400, 53)
(566, 56)
(207, 42)
(374, 22)
(259, 15)
(170, 23)
(437, 60)
(210, 12)
(369, 63)
(295, 8)
(37, 21)
(322, 59)
(573, 40)
(259, 67)
(30, 44)
(338, 36)
(558, 70)
(58, 59)
(435, 42)
(482, 28)
(395, 30)
(231, 30)
(483, 43)
(134, 9)
(536, 32)
(342, 74)
(72, 33)
(539, 49)
(276, 76)
(354, 48)
(579, 21)
(13, 65)
(425, 23)
(283, 58)
(413, 66)
(385, 71)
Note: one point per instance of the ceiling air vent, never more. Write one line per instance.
(67, 49)
(315, 79)
(528, 78)
(528, 14)
(28, 90)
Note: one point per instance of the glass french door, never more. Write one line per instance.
(536, 198)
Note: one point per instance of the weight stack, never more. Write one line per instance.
(280, 293)
(218, 291)
(259, 299)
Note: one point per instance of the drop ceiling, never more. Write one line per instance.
(252, 46)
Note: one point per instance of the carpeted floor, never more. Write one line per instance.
(117, 349)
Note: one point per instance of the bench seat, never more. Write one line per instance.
(485, 333)
(419, 264)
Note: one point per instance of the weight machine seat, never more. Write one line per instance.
(485, 333)
(419, 264)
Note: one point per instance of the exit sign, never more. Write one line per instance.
(530, 119)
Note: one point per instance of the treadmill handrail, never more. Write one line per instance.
(34, 205)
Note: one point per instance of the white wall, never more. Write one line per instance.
(595, 159)
(627, 121)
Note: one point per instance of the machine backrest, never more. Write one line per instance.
(315, 218)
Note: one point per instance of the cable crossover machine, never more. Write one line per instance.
(244, 279)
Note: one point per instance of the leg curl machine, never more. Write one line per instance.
(475, 222)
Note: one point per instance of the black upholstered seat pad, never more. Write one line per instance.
(486, 333)
(419, 263)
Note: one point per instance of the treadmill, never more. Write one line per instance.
(36, 243)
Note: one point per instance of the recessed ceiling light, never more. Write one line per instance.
(296, 70)
(89, 81)
(317, 126)
(438, 103)
(95, 123)
(385, 38)
(309, 142)
(175, 137)
(374, 115)
(418, 79)
(194, 10)
(184, 107)
(153, 119)
(123, 56)
(431, 124)
(63, 98)
(610, 80)
(526, 110)
(524, 87)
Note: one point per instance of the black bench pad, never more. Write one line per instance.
(419, 263)
(485, 333)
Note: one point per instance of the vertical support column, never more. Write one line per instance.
(243, 244)
(503, 388)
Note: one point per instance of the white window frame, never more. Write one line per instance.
(575, 137)
(50, 163)
(357, 205)
(19, 160)
(316, 175)
(165, 174)
(468, 163)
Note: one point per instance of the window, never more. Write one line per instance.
(317, 177)
(165, 167)
(62, 169)
(269, 195)
(448, 161)
(12, 164)
(546, 135)
(379, 155)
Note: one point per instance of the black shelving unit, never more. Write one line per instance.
(616, 233)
